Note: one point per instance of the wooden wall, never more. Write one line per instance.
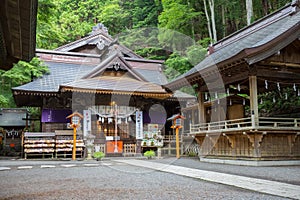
(270, 146)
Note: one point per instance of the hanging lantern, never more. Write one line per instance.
(119, 121)
(206, 96)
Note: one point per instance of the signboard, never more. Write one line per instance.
(87, 122)
(12, 117)
(139, 125)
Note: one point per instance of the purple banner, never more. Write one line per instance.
(57, 116)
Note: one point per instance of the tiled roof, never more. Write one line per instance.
(251, 37)
(152, 76)
(67, 73)
(60, 73)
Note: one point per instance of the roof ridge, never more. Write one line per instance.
(94, 34)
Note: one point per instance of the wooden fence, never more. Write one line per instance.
(267, 123)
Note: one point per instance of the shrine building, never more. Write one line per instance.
(119, 93)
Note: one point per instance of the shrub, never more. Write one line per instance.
(99, 155)
(149, 154)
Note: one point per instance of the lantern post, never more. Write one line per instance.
(75, 123)
(177, 121)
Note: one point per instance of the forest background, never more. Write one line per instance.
(204, 21)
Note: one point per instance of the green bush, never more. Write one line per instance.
(99, 155)
(149, 154)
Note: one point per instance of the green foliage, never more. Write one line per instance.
(196, 54)
(276, 102)
(24, 72)
(99, 155)
(149, 154)
(152, 53)
(114, 17)
(176, 65)
(21, 73)
(192, 154)
(178, 16)
(3, 101)
(145, 13)
(63, 21)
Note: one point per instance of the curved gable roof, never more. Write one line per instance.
(251, 44)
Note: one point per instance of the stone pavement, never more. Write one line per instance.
(279, 181)
(254, 184)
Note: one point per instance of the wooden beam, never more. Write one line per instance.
(278, 74)
(236, 77)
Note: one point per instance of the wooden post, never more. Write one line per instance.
(177, 121)
(253, 100)
(201, 108)
(177, 143)
(74, 144)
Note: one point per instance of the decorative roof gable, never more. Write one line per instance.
(114, 62)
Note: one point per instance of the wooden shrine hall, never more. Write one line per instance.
(109, 84)
(233, 81)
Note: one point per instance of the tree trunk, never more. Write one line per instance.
(249, 8)
(213, 21)
(208, 20)
(265, 7)
(223, 21)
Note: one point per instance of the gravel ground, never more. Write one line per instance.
(112, 180)
(286, 174)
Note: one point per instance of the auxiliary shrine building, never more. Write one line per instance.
(259, 62)
(119, 93)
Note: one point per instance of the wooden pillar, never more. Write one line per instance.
(253, 100)
(201, 108)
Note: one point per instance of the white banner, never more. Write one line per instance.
(87, 122)
(139, 125)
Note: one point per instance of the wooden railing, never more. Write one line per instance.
(129, 149)
(247, 124)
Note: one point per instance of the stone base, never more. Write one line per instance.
(251, 162)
